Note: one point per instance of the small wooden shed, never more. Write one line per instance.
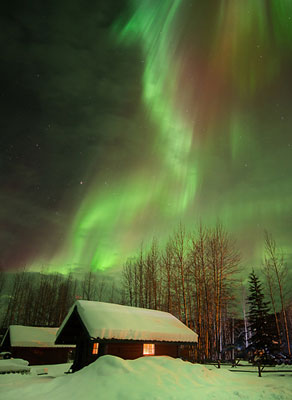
(99, 328)
(35, 344)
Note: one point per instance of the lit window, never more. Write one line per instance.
(95, 348)
(148, 349)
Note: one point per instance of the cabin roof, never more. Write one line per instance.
(117, 322)
(31, 336)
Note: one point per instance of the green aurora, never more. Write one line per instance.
(202, 132)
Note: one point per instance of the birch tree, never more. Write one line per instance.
(276, 268)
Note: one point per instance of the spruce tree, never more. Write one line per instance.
(262, 335)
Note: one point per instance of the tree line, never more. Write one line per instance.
(195, 276)
(42, 299)
(276, 273)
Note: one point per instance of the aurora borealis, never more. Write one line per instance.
(121, 119)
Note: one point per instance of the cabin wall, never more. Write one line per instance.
(166, 349)
(127, 351)
(83, 353)
(131, 351)
(41, 355)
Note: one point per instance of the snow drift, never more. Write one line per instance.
(154, 378)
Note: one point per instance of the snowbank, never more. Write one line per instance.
(151, 378)
(14, 365)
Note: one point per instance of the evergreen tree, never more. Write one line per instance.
(263, 337)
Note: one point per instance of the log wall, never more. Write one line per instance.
(131, 351)
(41, 355)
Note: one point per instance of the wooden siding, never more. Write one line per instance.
(127, 351)
(130, 351)
(41, 355)
(166, 349)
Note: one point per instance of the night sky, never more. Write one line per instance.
(119, 119)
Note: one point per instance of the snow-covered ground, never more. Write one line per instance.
(148, 378)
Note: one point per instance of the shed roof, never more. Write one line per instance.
(114, 321)
(31, 336)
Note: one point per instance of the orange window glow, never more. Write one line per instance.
(148, 349)
(95, 348)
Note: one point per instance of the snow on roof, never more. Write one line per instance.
(30, 336)
(114, 321)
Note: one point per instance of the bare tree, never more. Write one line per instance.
(223, 260)
(128, 281)
(89, 286)
(140, 277)
(180, 243)
(112, 297)
(274, 265)
(192, 278)
(39, 299)
(271, 284)
(201, 286)
(12, 314)
(152, 281)
(213, 261)
(101, 286)
(166, 266)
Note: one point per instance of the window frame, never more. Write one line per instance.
(95, 348)
(148, 349)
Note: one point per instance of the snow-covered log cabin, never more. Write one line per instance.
(35, 344)
(128, 332)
